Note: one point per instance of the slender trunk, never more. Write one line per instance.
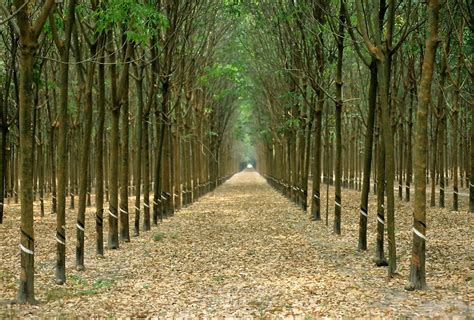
(471, 171)
(3, 159)
(440, 116)
(124, 158)
(52, 155)
(138, 137)
(62, 147)
(417, 269)
(316, 169)
(316, 198)
(113, 239)
(379, 248)
(99, 162)
(113, 242)
(27, 242)
(41, 172)
(433, 165)
(369, 138)
(84, 165)
(146, 175)
(389, 165)
(340, 52)
(306, 162)
(455, 128)
(157, 188)
(409, 162)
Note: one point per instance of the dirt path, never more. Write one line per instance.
(241, 251)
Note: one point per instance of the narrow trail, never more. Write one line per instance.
(242, 251)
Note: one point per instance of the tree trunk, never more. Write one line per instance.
(455, 125)
(340, 51)
(380, 260)
(27, 242)
(409, 162)
(138, 145)
(157, 188)
(124, 166)
(316, 170)
(28, 48)
(99, 162)
(417, 269)
(471, 171)
(84, 164)
(146, 175)
(62, 147)
(369, 138)
(113, 239)
(3, 157)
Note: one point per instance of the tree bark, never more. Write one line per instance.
(124, 158)
(84, 163)
(471, 171)
(417, 269)
(99, 162)
(28, 48)
(340, 51)
(138, 145)
(369, 138)
(64, 47)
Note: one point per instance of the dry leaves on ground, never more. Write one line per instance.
(246, 251)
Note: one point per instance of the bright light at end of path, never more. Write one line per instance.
(249, 166)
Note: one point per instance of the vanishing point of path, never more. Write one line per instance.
(241, 251)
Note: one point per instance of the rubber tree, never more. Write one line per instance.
(339, 83)
(84, 167)
(417, 278)
(29, 30)
(63, 45)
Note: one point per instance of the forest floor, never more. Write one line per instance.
(246, 251)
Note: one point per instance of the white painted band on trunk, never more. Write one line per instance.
(316, 197)
(163, 197)
(137, 208)
(60, 241)
(338, 204)
(441, 188)
(123, 211)
(471, 185)
(363, 213)
(155, 203)
(380, 220)
(382, 206)
(26, 250)
(146, 205)
(79, 227)
(419, 234)
(112, 215)
(455, 192)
